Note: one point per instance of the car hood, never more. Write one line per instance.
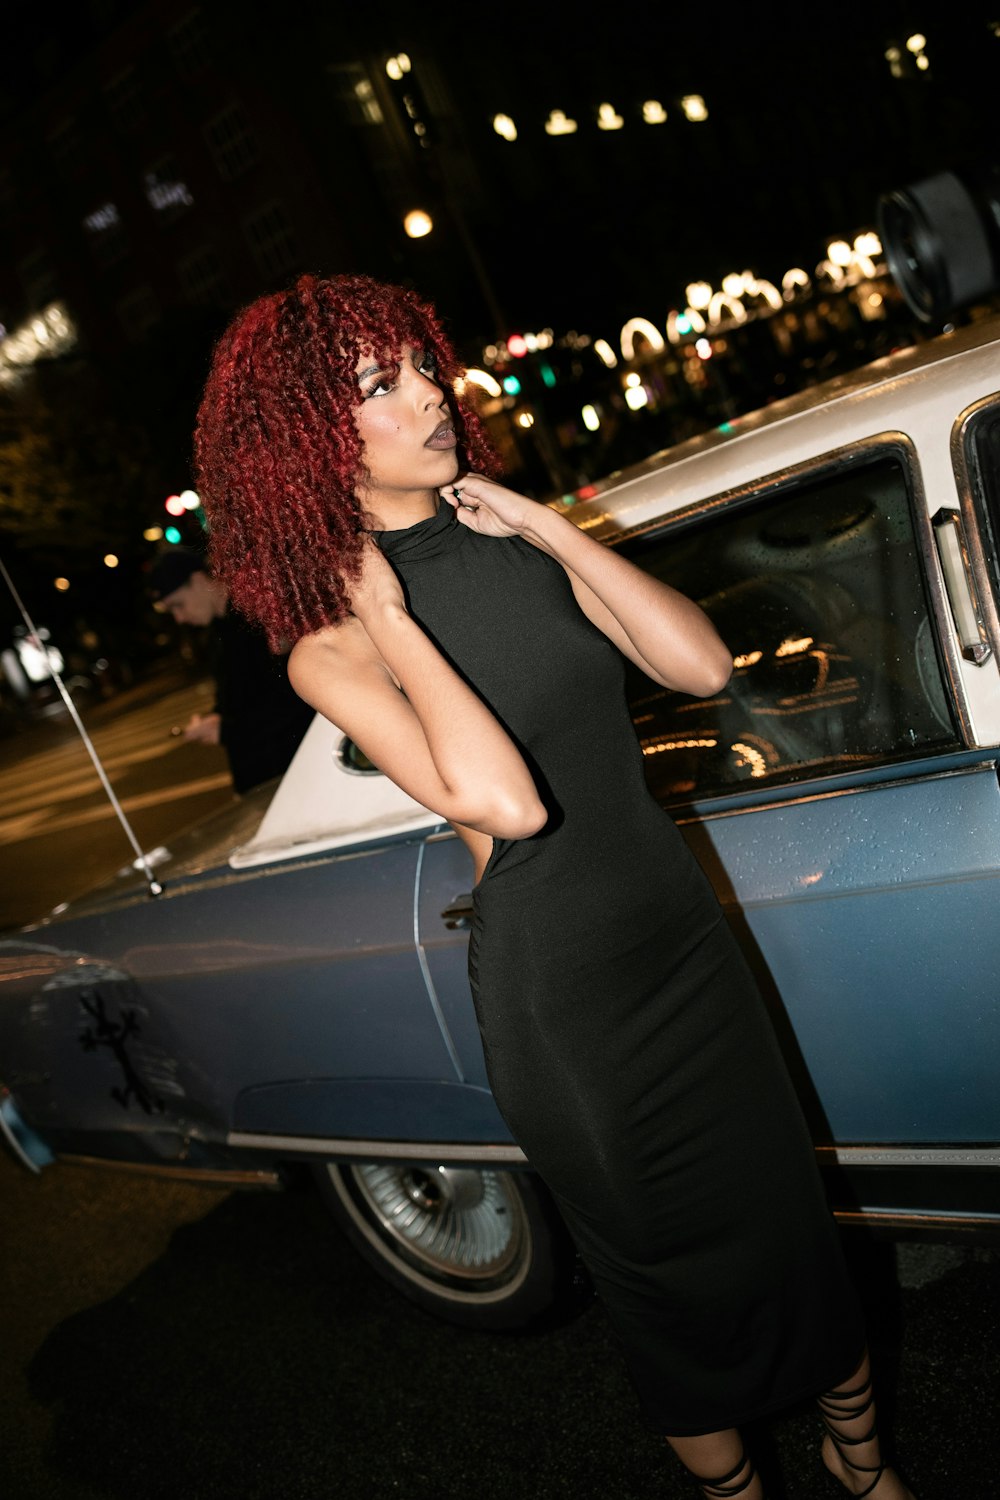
(201, 848)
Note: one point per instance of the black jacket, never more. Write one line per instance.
(263, 719)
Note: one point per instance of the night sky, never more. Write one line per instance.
(806, 128)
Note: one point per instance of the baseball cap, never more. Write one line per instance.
(171, 570)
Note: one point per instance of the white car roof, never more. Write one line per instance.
(918, 391)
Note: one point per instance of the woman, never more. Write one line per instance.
(470, 641)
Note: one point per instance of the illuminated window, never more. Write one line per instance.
(232, 143)
(165, 191)
(201, 277)
(355, 92)
(38, 279)
(125, 98)
(271, 240)
(138, 312)
(65, 147)
(189, 44)
(106, 234)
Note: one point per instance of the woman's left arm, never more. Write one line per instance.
(666, 634)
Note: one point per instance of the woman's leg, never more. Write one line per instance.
(719, 1462)
(851, 1448)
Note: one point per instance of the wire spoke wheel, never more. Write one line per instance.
(452, 1222)
(475, 1246)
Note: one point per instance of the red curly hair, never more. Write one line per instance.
(277, 452)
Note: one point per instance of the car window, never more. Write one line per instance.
(818, 591)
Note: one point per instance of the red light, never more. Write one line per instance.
(587, 492)
(517, 345)
(175, 505)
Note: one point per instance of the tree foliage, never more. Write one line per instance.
(73, 475)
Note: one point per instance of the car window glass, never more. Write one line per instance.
(819, 594)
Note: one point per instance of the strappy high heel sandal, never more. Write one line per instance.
(724, 1488)
(838, 1406)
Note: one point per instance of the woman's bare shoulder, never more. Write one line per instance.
(344, 647)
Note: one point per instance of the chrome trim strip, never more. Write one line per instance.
(841, 791)
(947, 634)
(367, 1150)
(962, 434)
(899, 1218)
(377, 1150)
(910, 1156)
(217, 1176)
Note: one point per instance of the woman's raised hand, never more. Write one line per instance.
(488, 507)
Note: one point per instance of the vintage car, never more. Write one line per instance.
(297, 994)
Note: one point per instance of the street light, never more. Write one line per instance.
(418, 223)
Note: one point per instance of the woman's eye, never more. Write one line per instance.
(428, 365)
(380, 387)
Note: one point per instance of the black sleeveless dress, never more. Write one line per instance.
(626, 1043)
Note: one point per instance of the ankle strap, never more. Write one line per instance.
(847, 1406)
(723, 1488)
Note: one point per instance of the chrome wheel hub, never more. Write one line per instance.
(452, 1221)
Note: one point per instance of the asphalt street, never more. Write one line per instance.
(164, 1340)
(161, 1339)
(58, 832)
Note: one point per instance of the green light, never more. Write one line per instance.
(725, 426)
(548, 375)
(684, 324)
(172, 535)
(512, 385)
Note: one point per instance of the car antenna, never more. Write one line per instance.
(141, 862)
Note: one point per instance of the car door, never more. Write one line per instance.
(835, 795)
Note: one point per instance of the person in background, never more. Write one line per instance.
(257, 717)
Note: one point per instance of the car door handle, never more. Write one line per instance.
(960, 585)
(458, 916)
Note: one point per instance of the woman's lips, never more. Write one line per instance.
(442, 437)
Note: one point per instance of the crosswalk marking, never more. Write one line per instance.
(57, 788)
(133, 804)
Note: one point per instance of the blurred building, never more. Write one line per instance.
(162, 163)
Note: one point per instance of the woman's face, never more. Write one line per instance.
(407, 430)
